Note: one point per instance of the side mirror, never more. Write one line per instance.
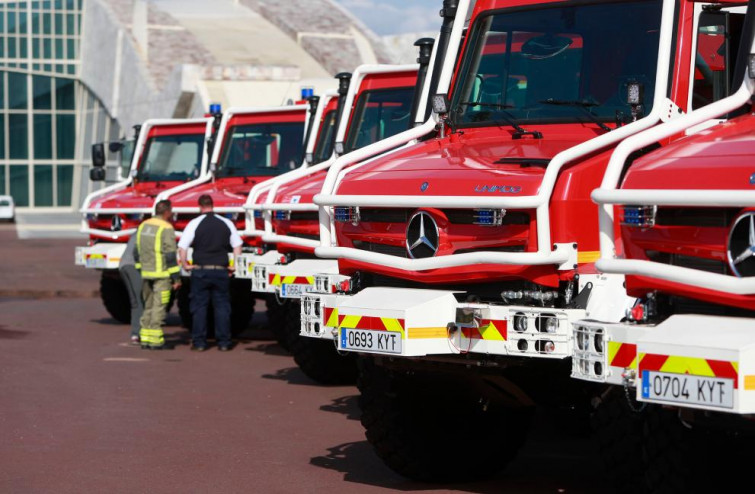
(97, 174)
(98, 154)
(116, 146)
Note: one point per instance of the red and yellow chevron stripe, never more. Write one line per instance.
(278, 280)
(689, 365)
(622, 354)
(491, 330)
(372, 323)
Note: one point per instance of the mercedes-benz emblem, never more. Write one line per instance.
(752, 179)
(424, 186)
(422, 236)
(116, 225)
(741, 249)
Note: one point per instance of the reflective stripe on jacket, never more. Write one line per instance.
(156, 250)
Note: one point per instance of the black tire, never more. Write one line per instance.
(242, 307)
(618, 431)
(437, 428)
(115, 296)
(276, 319)
(317, 358)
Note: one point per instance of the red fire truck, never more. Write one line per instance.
(253, 145)
(379, 103)
(167, 154)
(465, 257)
(679, 224)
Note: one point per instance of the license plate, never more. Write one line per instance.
(684, 388)
(96, 262)
(294, 291)
(370, 341)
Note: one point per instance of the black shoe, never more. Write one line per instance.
(198, 348)
(225, 348)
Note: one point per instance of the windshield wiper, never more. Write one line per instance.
(508, 118)
(582, 105)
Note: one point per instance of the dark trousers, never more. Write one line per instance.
(206, 285)
(132, 278)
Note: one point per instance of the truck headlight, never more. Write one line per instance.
(520, 322)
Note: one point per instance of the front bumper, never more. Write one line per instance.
(296, 278)
(688, 361)
(246, 262)
(99, 256)
(416, 323)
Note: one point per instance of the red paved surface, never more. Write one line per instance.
(81, 411)
(42, 268)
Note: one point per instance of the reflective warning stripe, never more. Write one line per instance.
(274, 279)
(296, 280)
(331, 317)
(422, 333)
(622, 354)
(371, 323)
(96, 256)
(588, 256)
(690, 365)
(491, 330)
(165, 296)
(152, 337)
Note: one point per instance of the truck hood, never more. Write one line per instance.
(224, 192)
(478, 162)
(716, 158)
(302, 190)
(136, 196)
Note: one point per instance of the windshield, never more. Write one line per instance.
(380, 114)
(175, 157)
(553, 64)
(262, 149)
(324, 144)
(4, 202)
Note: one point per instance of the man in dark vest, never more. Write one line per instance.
(212, 237)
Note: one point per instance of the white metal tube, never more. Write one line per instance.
(279, 239)
(676, 197)
(456, 260)
(108, 233)
(678, 274)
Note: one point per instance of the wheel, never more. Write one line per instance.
(276, 319)
(317, 358)
(618, 431)
(242, 305)
(115, 296)
(438, 427)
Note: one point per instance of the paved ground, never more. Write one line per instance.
(83, 411)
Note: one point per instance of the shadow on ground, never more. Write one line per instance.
(345, 405)
(12, 334)
(293, 375)
(359, 464)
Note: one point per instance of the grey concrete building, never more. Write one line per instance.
(74, 72)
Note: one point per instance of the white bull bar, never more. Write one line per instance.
(562, 255)
(607, 196)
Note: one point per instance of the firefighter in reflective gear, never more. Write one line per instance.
(155, 256)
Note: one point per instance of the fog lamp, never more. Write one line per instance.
(547, 323)
(598, 342)
(520, 322)
(582, 340)
(440, 104)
